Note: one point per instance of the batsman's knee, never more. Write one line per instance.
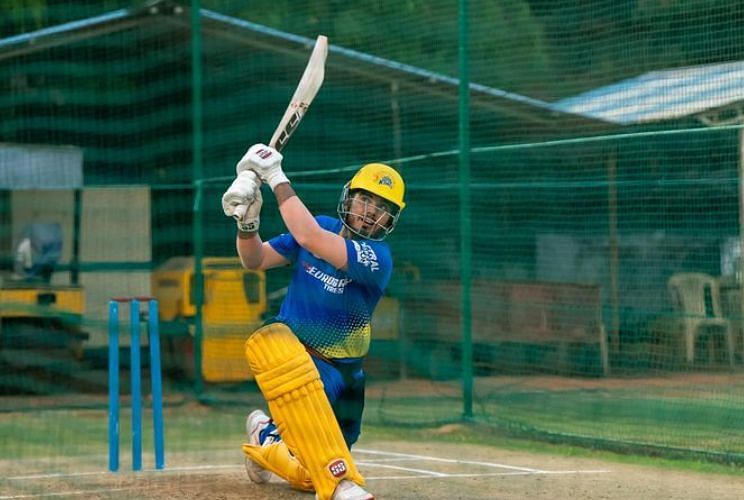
(279, 361)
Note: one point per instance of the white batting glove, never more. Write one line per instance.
(266, 162)
(248, 218)
(241, 192)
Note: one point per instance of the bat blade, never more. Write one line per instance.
(307, 89)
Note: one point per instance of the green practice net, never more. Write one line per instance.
(593, 229)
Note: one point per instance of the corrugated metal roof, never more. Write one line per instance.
(661, 95)
(218, 25)
(381, 69)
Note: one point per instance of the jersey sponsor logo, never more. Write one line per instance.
(338, 468)
(366, 255)
(330, 283)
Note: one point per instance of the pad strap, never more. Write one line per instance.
(277, 459)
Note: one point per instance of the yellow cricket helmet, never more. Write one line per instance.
(380, 180)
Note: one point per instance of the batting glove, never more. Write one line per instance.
(241, 192)
(266, 162)
(248, 218)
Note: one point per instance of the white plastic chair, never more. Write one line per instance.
(697, 297)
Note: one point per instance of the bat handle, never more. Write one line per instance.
(239, 212)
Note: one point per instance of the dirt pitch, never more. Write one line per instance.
(404, 471)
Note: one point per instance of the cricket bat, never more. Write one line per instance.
(304, 94)
(306, 91)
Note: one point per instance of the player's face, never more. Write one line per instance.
(369, 214)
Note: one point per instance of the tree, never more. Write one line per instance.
(507, 46)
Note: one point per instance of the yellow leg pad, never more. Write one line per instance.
(291, 384)
(276, 458)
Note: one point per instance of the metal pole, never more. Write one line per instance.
(76, 217)
(465, 229)
(739, 322)
(398, 153)
(614, 257)
(196, 94)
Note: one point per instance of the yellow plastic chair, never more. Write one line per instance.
(697, 297)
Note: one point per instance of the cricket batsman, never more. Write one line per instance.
(308, 359)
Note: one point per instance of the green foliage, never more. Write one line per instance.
(595, 43)
(423, 33)
(540, 48)
(22, 16)
(29, 15)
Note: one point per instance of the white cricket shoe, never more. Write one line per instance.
(349, 490)
(254, 424)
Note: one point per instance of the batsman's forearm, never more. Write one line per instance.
(250, 248)
(298, 219)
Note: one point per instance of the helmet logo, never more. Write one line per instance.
(385, 181)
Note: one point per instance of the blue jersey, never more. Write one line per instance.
(329, 309)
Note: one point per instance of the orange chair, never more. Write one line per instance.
(697, 297)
